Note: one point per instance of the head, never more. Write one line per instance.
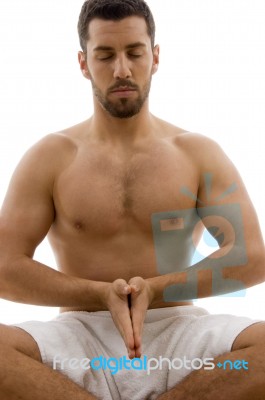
(118, 53)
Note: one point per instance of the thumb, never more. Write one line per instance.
(121, 287)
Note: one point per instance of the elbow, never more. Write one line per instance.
(7, 276)
(2, 280)
(257, 266)
(261, 267)
(3, 277)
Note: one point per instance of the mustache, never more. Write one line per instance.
(123, 82)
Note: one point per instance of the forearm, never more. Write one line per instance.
(206, 279)
(28, 281)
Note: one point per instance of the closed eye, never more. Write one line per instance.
(104, 57)
(135, 55)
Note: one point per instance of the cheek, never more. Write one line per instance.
(147, 67)
(98, 77)
(96, 70)
(101, 74)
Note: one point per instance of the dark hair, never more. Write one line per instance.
(114, 10)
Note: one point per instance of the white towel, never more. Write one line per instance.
(180, 334)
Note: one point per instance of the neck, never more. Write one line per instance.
(124, 131)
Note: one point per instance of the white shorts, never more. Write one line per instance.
(87, 347)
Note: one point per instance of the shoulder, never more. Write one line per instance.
(201, 149)
(210, 160)
(53, 150)
(53, 144)
(191, 141)
(46, 159)
(182, 137)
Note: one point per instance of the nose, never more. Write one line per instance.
(122, 68)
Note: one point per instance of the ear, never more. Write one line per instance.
(83, 64)
(155, 59)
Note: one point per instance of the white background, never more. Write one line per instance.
(211, 80)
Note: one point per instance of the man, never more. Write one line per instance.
(104, 192)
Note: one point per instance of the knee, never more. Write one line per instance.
(4, 337)
(19, 340)
(4, 353)
(252, 336)
(7, 342)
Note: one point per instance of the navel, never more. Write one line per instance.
(79, 226)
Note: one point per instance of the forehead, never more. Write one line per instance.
(105, 32)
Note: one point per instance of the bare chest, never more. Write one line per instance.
(104, 194)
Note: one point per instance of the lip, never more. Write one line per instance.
(123, 91)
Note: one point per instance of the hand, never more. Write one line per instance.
(116, 299)
(141, 297)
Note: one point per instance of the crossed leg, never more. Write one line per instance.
(24, 377)
(220, 384)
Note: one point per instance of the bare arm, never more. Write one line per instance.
(222, 204)
(26, 217)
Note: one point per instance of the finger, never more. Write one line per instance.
(134, 288)
(137, 283)
(125, 326)
(121, 287)
(121, 314)
(122, 320)
(138, 311)
(137, 334)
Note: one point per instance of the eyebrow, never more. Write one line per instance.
(129, 46)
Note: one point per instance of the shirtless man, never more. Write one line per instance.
(93, 189)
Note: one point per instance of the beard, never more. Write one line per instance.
(124, 107)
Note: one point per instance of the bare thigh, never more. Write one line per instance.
(19, 340)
